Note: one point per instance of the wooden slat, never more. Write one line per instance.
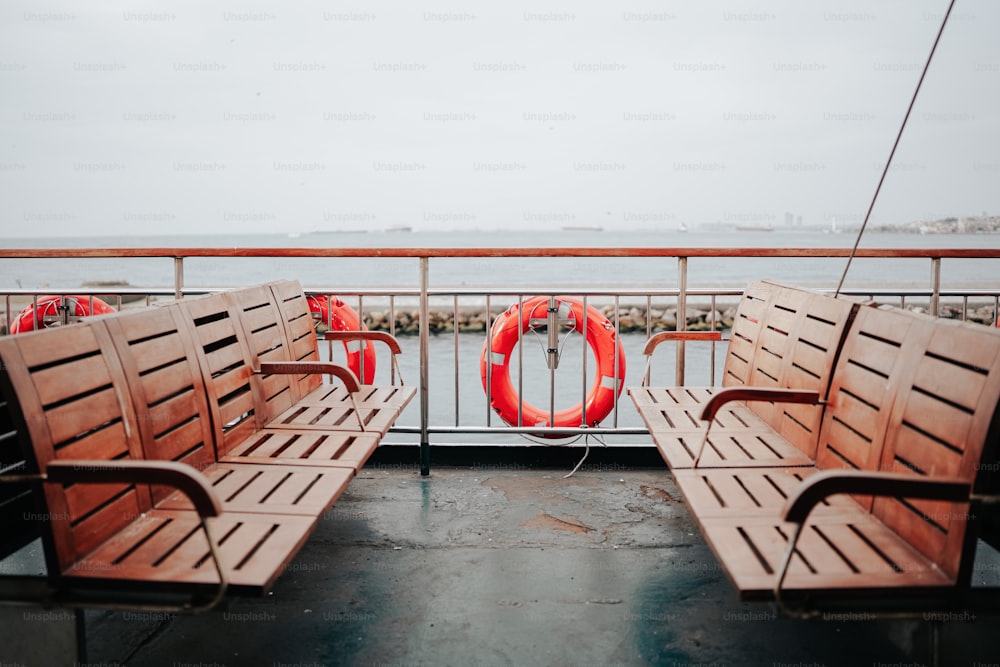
(165, 349)
(256, 551)
(115, 512)
(71, 377)
(39, 349)
(93, 411)
(732, 492)
(187, 440)
(326, 407)
(110, 442)
(286, 446)
(337, 418)
(272, 489)
(729, 450)
(166, 381)
(751, 549)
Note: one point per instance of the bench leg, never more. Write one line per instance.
(37, 636)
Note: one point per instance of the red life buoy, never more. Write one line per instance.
(600, 334)
(338, 316)
(48, 313)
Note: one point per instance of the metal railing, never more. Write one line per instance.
(655, 293)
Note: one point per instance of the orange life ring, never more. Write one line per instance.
(47, 313)
(601, 338)
(338, 316)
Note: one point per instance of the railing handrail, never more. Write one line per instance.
(489, 252)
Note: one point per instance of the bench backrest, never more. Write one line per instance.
(225, 362)
(236, 331)
(161, 365)
(300, 332)
(800, 335)
(744, 337)
(944, 423)
(877, 357)
(72, 403)
(917, 395)
(264, 333)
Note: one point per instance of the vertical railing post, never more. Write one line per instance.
(454, 320)
(552, 353)
(425, 445)
(935, 306)
(681, 315)
(178, 277)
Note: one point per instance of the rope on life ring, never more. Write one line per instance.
(607, 383)
(54, 310)
(331, 311)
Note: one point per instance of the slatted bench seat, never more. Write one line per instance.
(889, 516)
(783, 338)
(134, 431)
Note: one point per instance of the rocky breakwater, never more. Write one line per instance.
(631, 319)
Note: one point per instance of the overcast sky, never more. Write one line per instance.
(194, 117)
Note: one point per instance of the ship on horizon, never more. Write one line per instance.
(582, 228)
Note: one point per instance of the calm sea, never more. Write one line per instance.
(610, 273)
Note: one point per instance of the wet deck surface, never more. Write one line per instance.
(488, 566)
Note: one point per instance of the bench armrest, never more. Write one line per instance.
(181, 476)
(664, 336)
(380, 336)
(870, 483)
(305, 367)
(775, 395)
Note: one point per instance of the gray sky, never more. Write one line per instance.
(258, 117)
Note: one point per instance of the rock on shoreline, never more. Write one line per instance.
(631, 319)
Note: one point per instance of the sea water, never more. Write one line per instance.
(612, 272)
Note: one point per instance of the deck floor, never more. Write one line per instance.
(505, 565)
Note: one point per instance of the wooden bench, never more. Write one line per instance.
(783, 338)
(259, 353)
(134, 427)
(888, 513)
